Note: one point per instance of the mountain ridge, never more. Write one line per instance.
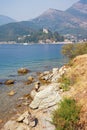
(5, 20)
(63, 21)
(71, 21)
(79, 10)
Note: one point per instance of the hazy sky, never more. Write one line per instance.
(28, 9)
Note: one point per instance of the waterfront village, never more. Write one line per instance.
(45, 36)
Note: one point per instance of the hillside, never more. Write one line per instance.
(11, 31)
(72, 21)
(53, 18)
(79, 10)
(61, 21)
(5, 20)
(78, 90)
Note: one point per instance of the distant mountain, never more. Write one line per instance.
(11, 31)
(52, 19)
(83, 1)
(72, 21)
(62, 21)
(79, 10)
(6, 20)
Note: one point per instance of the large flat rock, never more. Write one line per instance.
(47, 97)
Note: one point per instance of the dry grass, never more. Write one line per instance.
(78, 75)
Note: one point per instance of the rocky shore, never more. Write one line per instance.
(46, 94)
(43, 98)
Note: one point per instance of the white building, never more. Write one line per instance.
(45, 30)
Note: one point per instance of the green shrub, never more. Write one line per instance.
(73, 50)
(66, 116)
(65, 83)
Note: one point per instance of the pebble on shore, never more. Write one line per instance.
(11, 93)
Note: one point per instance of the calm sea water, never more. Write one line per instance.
(34, 57)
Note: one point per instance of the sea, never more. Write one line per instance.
(36, 58)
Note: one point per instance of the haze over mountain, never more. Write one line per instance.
(72, 21)
(11, 31)
(79, 10)
(5, 20)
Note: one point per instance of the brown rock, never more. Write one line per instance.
(11, 93)
(9, 82)
(27, 82)
(27, 96)
(30, 78)
(1, 121)
(1, 83)
(23, 71)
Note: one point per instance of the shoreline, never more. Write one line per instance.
(23, 89)
(47, 92)
(14, 43)
(14, 104)
(22, 102)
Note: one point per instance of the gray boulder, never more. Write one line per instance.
(47, 97)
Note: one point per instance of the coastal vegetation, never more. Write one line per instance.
(66, 116)
(21, 33)
(41, 36)
(73, 50)
(65, 83)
